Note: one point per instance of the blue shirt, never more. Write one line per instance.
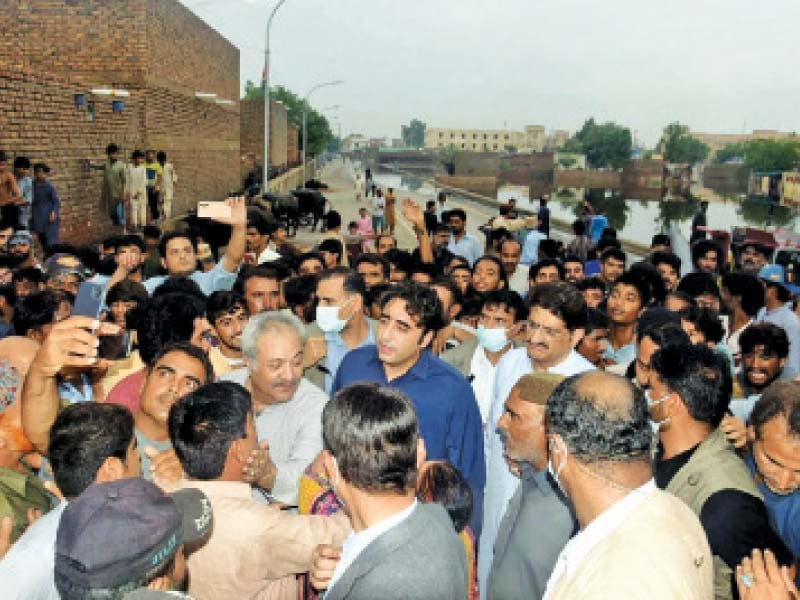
(25, 185)
(467, 246)
(45, 201)
(336, 350)
(599, 222)
(623, 355)
(530, 249)
(209, 281)
(783, 512)
(449, 419)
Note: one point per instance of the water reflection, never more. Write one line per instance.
(760, 213)
(634, 219)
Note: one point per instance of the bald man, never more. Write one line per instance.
(641, 538)
(523, 562)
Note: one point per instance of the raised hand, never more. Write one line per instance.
(413, 214)
(72, 342)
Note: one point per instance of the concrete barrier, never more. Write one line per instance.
(293, 178)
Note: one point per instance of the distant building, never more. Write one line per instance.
(531, 139)
(556, 139)
(716, 141)
(355, 142)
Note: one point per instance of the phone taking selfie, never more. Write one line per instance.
(89, 300)
(213, 210)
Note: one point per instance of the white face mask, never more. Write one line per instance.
(493, 339)
(656, 425)
(328, 320)
(553, 472)
(463, 327)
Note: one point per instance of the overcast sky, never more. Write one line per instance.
(722, 66)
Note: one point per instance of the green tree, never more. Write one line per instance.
(729, 152)
(511, 148)
(447, 156)
(772, 155)
(414, 133)
(679, 146)
(319, 130)
(605, 145)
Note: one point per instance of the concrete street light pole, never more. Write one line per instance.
(265, 182)
(305, 109)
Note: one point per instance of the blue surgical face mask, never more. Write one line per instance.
(493, 339)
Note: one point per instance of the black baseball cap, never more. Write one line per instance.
(123, 531)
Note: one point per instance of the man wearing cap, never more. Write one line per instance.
(777, 310)
(255, 550)
(120, 537)
(522, 562)
(64, 272)
(20, 247)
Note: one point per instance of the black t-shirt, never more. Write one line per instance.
(735, 522)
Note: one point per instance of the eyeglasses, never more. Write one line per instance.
(548, 332)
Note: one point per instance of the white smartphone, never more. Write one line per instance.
(213, 210)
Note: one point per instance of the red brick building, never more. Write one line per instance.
(283, 135)
(54, 52)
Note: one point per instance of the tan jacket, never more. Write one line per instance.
(659, 552)
(714, 466)
(255, 550)
(461, 356)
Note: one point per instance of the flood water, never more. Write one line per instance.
(634, 220)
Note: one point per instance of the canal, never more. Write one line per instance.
(635, 220)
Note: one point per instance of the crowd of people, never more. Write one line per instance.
(528, 417)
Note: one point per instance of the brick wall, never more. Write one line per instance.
(95, 42)
(578, 178)
(283, 135)
(476, 164)
(156, 49)
(202, 142)
(38, 119)
(293, 145)
(180, 49)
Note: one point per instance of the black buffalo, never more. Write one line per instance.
(311, 205)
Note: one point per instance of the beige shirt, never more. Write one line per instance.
(255, 550)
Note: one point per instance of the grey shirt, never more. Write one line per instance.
(293, 430)
(535, 528)
(143, 442)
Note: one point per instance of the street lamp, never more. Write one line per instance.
(266, 98)
(305, 110)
